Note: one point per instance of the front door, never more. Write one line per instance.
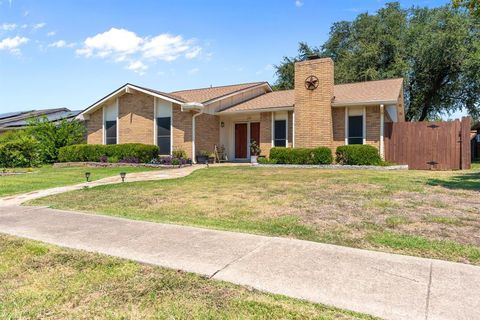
(241, 140)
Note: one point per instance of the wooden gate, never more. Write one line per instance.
(443, 145)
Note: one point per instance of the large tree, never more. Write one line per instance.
(436, 51)
(472, 5)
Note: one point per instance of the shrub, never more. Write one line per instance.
(321, 155)
(54, 135)
(95, 152)
(21, 152)
(263, 160)
(358, 155)
(179, 154)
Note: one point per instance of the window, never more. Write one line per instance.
(111, 132)
(280, 131)
(163, 135)
(355, 130)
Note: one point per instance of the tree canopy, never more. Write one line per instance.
(436, 51)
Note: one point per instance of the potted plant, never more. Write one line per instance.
(202, 156)
(254, 151)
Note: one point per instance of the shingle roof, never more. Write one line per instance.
(344, 94)
(206, 94)
(369, 91)
(271, 100)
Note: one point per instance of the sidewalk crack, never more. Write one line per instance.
(263, 244)
(427, 305)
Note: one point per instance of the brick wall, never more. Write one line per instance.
(95, 127)
(373, 126)
(313, 115)
(136, 114)
(338, 119)
(207, 132)
(182, 130)
(265, 133)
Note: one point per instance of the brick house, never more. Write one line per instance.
(315, 113)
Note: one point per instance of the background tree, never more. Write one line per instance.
(472, 5)
(436, 51)
(51, 136)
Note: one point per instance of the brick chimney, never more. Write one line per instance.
(313, 110)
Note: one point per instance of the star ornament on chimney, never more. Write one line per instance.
(311, 83)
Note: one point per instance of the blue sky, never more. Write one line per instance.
(71, 53)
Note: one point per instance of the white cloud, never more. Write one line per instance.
(51, 34)
(39, 25)
(124, 46)
(8, 26)
(298, 3)
(138, 67)
(13, 44)
(61, 44)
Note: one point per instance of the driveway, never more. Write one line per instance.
(385, 285)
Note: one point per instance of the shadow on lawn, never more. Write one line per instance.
(466, 181)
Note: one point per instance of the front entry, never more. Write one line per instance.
(241, 140)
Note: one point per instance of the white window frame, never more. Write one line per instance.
(350, 111)
(279, 116)
(155, 129)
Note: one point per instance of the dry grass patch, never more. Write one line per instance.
(39, 281)
(335, 206)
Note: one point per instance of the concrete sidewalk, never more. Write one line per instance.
(385, 285)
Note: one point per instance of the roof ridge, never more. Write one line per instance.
(367, 81)
(224, 86)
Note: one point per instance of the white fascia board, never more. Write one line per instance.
(239, 92)
(365, 103)
(126, 88)
(195, 106)
(224, 113)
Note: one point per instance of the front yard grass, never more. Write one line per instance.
(39, 281)
(32, 179)
(423, 213)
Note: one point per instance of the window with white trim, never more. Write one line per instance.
(111, 132)
(280, 133)
(355, 129)
(164, 134)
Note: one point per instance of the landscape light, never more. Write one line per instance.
(87, 176)
(122, 175)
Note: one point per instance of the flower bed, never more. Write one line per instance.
(336, 166)
(112, 165)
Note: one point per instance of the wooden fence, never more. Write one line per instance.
(443, 145)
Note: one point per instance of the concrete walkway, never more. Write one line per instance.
(131, 177)
(385, 285)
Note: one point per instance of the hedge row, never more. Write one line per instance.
(93, 152)
(20, 152)
(358, 155)
(321, 155)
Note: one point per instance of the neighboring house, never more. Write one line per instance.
(315, 113)
(19, 120)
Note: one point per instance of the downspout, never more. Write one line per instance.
(193, 134)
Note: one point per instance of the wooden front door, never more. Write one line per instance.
(255, 132)
(241, 140)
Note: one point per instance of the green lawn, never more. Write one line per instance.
(49, 177)
(39, 281)
(423, 213)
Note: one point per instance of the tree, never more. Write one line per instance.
(436, 51)
(51, 136)
(472, 5)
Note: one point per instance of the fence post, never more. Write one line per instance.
(465, 147)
